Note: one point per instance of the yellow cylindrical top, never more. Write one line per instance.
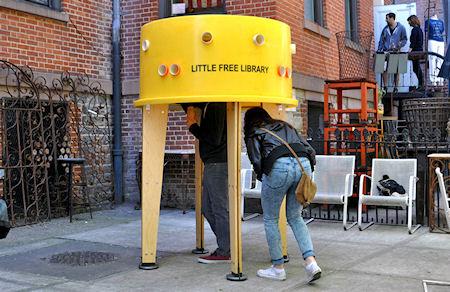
(221, 58)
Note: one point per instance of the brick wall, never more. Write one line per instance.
(134, 14)
(179, 182)
(81, 45)
(132, 144)
(261, 8)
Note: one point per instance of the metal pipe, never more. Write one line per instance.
(117, 114)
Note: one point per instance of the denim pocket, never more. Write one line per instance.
(277, 178)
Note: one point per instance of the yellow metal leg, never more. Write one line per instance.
(278, 112)
(199, 219)
(234, 161)
(153, 142)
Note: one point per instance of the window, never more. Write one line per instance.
(351, 20)
(191, 7)
(53, 4)
(314, 11)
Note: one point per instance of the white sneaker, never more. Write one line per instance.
(313, 272)
(272, 273)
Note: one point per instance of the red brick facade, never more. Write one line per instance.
(82, 44)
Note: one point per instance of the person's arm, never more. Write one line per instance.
(254, 154)
(216, 115)
(381, 42)
(413, 39)
(403, 37)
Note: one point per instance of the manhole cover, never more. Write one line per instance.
(82, 258)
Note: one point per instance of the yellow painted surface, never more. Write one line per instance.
(232, 68)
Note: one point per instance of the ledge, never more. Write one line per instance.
(316, 28)
(34, 9)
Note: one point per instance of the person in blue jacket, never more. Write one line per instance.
(393, 38)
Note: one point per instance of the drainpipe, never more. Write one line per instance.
(117, 113)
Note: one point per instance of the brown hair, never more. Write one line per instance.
(414, 20)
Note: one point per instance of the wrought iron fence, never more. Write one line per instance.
(393, 144)
(42, 121)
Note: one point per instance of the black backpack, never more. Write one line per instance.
(4, 221)
(387, 186)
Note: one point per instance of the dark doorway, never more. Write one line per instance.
(315, 124)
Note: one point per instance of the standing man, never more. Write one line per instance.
(212, 136)
(392, 39)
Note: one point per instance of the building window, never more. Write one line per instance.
(314, 11)
(53, 4)
(191, 7)
(351, 20)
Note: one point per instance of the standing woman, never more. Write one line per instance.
(280, 174)
(416, 45)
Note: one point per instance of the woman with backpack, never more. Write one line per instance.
(280, 174)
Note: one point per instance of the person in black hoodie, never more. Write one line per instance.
(416, 45)
(280, 174)
(211, 132)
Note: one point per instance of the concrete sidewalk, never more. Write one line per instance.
(382, 258)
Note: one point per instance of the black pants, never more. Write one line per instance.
(418, 71)
(215, 204)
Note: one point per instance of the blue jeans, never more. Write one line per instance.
(283, 180)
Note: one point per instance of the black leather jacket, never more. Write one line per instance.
(263, 149)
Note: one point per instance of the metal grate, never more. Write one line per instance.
(82, 258)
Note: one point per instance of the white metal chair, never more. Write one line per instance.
(443, 196)
(247, 188)
(334, 176)
(404, 172)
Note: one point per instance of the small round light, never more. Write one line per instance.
(288, 72)
(163, 70)
(281, 71)
(174, 69)
(207, 38)
(258, 39)
(145, 45)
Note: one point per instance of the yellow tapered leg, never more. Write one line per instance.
(154, 125)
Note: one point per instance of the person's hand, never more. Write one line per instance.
(191, 117)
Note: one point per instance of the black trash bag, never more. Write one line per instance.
(387, 186)
(4, 221)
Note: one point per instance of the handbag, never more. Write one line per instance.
(306, 188)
